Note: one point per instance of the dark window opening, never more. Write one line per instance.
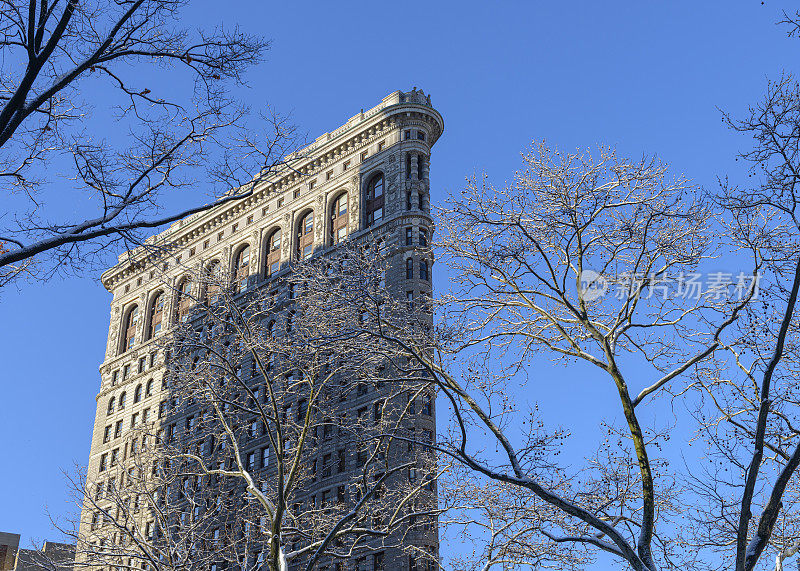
(374, 200)
(338, 230)
(273, 252)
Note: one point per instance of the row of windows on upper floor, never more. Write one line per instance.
(240, 269)
(185, 303)
(141, 391)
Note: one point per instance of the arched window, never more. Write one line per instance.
(129, 328)
(374, 200)
(184, 299)
(148, 391)
(273, 263)
(409, 268)
(111, 402)
(156, 315)
(121, 404)
(212, 281)
(305, 236)
(241, 268)
(137, 394)
(423, 270)
(339, 219)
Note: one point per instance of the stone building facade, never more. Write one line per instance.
(368, 178)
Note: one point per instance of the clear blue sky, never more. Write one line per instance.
(644, 76)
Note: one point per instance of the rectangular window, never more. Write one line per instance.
(118, 429)
(410, 300)
(427, 405)
(409, 236)
(280, 202)
(381, 146)
(345, 165)
(326, 466)
(145, 415)
(407, 135)
(251, 461)
(408, 200)
(107, 434)
(296, 193)
(423, 237)
(329, 175)
(153, 356)
(134, 419)
(142, 363)
(114, 456)
(126, 371)
(114, 377)
(264, 457)
(363, 155)
(342, 460)
(421, 135)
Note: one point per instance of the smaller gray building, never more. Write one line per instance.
(53, 556)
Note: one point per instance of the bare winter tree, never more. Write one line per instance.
(260, 461)
(165, 89)
(533, 262)
(148, 512)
